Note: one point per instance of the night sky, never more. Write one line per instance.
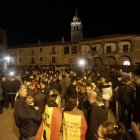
(27, 23)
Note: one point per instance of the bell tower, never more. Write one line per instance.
(76, 29)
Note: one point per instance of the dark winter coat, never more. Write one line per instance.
(30, 120)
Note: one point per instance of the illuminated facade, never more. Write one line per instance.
(100, 51)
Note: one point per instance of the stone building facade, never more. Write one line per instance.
(100, 51)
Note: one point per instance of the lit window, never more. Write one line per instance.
(126, 63)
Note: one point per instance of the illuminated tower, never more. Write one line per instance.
(76, 29)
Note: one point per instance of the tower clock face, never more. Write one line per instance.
(85, 49)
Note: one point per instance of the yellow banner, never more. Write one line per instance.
(71, 127)
(47, 118)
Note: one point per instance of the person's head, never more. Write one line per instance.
(54, 99)
(81, 88)
(30, 100)
(103, 80)
(74, 80)
(90, 87)
(92, 96)
(109, 131)
(127, 80)
(22, 92)
(71, 103)
(30, 85)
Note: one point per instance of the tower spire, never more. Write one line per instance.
(76, 28)
(76, 13)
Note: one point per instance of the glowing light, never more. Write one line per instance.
(11, 73)
(81, 62)
(7, 58)
(126, 63)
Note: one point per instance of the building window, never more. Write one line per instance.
(32, 60)
(66, 50)
(20, 51)
(74, 50)
(125, 48)
(108, 49)
(41, 59)
(53, 60)
(40, 50)
(33, 52)
(53, 50)
(94, 49)
(77, 28)
(20, 60)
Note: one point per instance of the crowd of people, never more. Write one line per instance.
(55, 105)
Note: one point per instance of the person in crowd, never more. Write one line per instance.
(109, 131)
(23, 86)
(55, 84)
(68, 79)
(71, 91)
(30, 88)
(40, 100)
(62, 82)
(136, 116)
(29, 119)
(82, 96)
(10, 87)
(97, 114)
(135, 125)
(125, 96)
(52, 118)
(20, 100)
(74, 122)
(22, 94)
(43, 87)
(106, 88)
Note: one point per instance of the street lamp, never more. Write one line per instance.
(7, 58)
(82, 64)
